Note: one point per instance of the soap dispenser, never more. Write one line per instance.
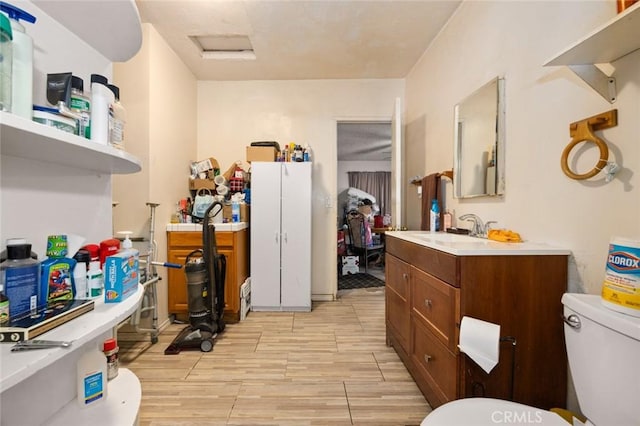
(127, 244)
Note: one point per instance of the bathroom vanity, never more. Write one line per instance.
(434, 279)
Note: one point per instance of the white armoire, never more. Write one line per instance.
(280, 236)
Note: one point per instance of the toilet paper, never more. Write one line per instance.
(480, 340)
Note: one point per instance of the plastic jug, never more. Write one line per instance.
(6, 60)
(22, 76)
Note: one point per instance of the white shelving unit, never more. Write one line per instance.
(609, 42)
(47, 376)
(60, 169)
(28, 139)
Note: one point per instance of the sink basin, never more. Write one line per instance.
(449, 238)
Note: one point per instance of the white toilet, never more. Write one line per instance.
(603, 348)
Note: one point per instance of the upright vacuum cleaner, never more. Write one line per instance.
(205, 271)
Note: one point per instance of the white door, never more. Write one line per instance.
(396, 165)
(265, 236)
(296, 236)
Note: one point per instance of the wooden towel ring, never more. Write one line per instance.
(582, 131)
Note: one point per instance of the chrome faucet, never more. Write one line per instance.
(479, 229)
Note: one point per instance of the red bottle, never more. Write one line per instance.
(107, 248)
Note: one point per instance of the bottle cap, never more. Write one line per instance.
(16, 13)
(18, 251)
(97, 78)
(109, 345)
(115, 89)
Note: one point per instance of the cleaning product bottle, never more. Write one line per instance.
(92, 377)
(81, 288)
(235, 211)
(19, 277)
(434, 216)
(6, 63)
(56, 279)
(447, 219)
(81, 104)
(101, 100)
(95, 280)
(22, 75)
(116, 135)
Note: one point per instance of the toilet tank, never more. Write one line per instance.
(604, 354)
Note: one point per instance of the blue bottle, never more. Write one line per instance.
(434, 216)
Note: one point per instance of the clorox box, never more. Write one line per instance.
(120, 276)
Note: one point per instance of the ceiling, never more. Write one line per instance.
(303, 40)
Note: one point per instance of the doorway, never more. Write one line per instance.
(364, 161)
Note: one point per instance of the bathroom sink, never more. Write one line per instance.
(449, 238)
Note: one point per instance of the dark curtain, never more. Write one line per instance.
(377, 184)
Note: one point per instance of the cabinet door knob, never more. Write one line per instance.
(428, 303)
(427, 358)
(405, 276)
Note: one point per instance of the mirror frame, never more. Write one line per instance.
(499, 144)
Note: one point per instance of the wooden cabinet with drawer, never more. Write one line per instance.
(232, 244)
(521, 293)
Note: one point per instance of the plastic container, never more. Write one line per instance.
(81, 104)
(80, 285)
(101, 99)
(6, 63)
(95, 280)
(621, 287)
(107, 248)
(22, 75)
(19, 278)
(50, 117)
(434, 216)
(119, 114)
(235, 211)
(56, 282)
(447, 219)
(92, 378)
(110, 349)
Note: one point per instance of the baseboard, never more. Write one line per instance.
(323, 297)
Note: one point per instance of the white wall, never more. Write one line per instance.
(513, 39)
(233, 114)
(159, 93)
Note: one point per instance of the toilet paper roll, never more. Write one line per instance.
(480, 340)
(220, 180)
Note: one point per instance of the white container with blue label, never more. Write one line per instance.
(92, 377)
(621, 287)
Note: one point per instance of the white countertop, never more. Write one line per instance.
(464, 245)
(231, 226)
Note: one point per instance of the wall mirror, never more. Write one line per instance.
(479, 143)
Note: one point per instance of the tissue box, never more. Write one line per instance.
(120, 276)
(261, 153)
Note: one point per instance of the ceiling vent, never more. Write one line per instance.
(224, 47)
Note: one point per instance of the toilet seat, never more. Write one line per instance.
(490, 412)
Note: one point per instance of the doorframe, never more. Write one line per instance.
(334, 202)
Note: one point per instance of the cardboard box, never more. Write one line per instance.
(261, 153)
(245, 299)
(244, 212)
(196, 184)
(204, 166)
(120, 276)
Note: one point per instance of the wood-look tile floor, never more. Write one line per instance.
(330, 366)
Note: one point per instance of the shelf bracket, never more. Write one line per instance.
(598, 80)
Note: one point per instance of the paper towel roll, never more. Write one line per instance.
(480, 340)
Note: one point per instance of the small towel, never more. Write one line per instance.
(430, 190)
(504, 236)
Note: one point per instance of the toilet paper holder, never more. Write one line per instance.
(513, 342)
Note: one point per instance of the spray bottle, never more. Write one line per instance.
(22, 75)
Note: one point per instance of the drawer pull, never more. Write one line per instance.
(405, 276)
(427, 358)
(428, 303)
